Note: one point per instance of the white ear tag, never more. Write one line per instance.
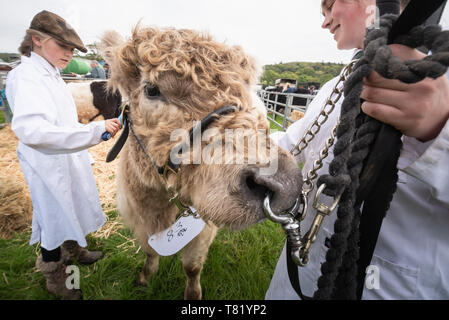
(176, 237)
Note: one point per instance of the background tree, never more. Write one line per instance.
(301, 71)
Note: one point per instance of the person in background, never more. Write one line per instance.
(412, 252)
(311, 89)
(279, 87)
(52, 150)
(302, 90)
(97, 72)
(289, 89)
(106, 70)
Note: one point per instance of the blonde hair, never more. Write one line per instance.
(27, 44)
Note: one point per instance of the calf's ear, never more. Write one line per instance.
(123, 61)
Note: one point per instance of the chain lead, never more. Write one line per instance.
(290, 220)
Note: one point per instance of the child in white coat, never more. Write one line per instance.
(52, 150)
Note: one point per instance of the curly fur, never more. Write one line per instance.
(213, 70)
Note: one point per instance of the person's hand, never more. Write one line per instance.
(113, 126)
(418, 110)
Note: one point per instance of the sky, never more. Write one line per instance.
(271, 31)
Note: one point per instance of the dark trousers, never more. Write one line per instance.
(52, 255)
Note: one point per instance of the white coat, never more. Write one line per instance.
(52, 154)
(412, 251)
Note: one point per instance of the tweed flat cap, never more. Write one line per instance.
(55, 26)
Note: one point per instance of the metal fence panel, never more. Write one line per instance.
(282, 104)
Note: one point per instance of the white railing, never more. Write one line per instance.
(282, 104)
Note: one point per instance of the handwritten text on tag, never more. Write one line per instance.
(176, 237)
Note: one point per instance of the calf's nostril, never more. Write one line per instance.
(261, 185)
(283, 188)
(259, 190)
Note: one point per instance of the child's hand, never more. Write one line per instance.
(113, 126)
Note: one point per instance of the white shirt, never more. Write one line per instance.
(52, 154)
(412, 251)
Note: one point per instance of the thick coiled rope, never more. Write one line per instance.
(356, 133)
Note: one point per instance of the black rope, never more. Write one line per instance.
(356, 133)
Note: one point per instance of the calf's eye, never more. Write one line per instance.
(152, 91)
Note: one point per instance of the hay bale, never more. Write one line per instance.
(16, 209)
(16, 206)
(105, 172)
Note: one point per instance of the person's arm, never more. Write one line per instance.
(35, 121)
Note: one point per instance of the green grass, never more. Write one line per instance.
(274, 127)
(240, 265)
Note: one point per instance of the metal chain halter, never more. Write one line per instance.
(313, 130)
(290, 220)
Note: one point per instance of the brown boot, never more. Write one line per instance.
(54, 273)
(70, 251)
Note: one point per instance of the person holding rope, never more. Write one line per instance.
(411, 254)
(52, 150)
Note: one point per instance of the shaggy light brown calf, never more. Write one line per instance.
(171, 78)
